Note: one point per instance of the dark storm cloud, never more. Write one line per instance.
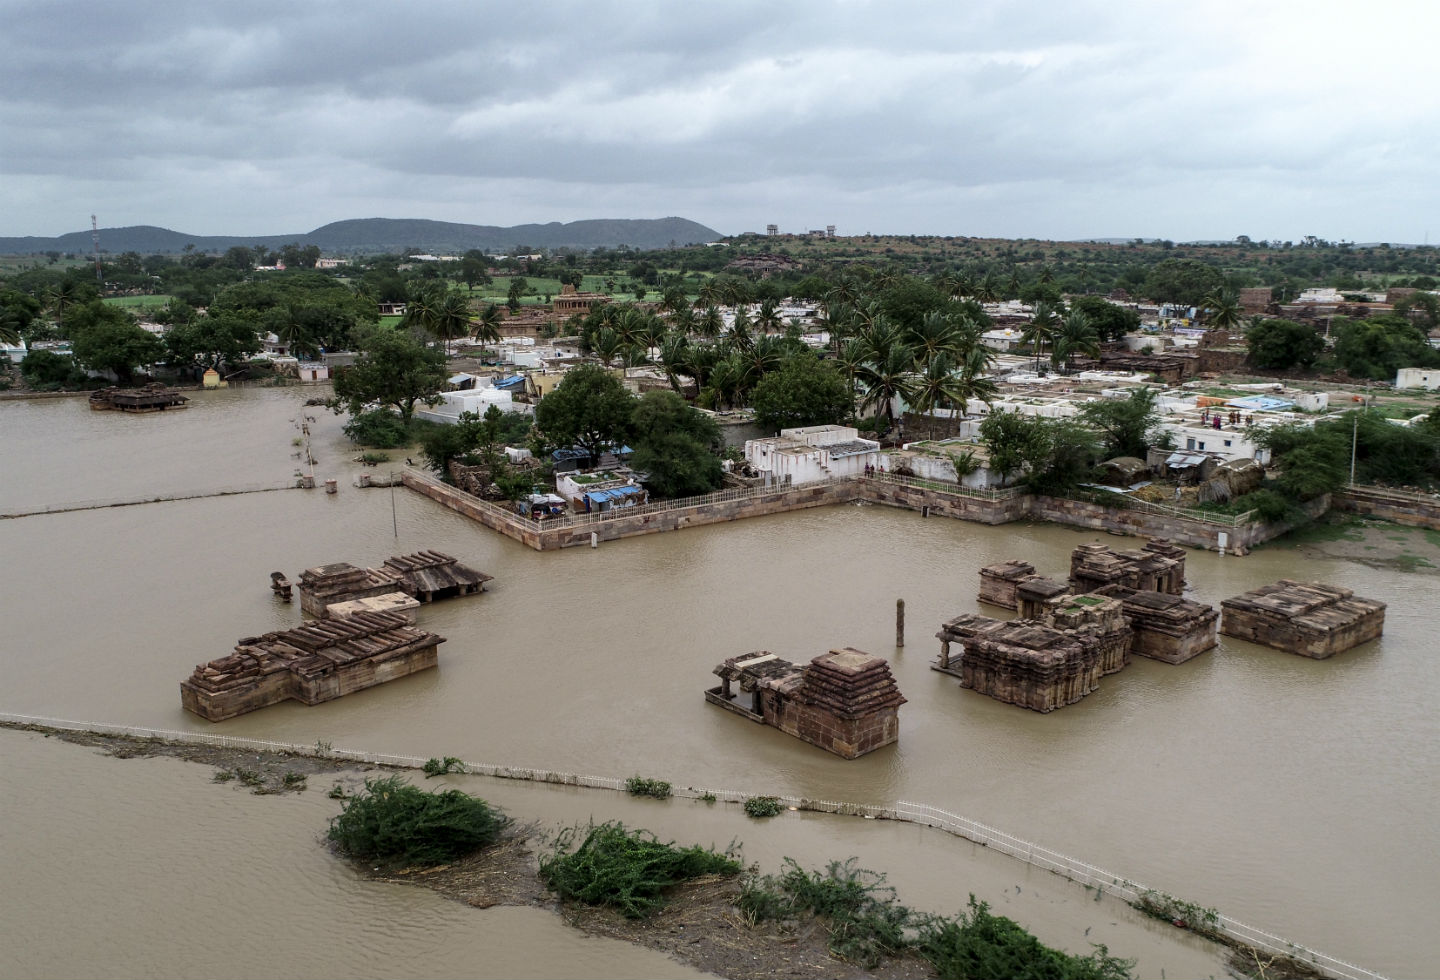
(1006, 118)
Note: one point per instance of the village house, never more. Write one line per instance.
(812, 453)
(599, 491)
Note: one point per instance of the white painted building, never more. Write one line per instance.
(812, 453)
(1427, 378)
(453, 403)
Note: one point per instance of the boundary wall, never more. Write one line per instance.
(1397, 506)
(1193, 529)
(1029, 852)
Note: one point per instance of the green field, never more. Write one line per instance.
(139, 302)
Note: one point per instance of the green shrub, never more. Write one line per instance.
(981, 944)
(439, 767)
(865, 921)
(395, 822)
(763, 806)
(380, 428)
(626, 870)
(640, 786)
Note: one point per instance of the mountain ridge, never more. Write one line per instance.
(377, 235)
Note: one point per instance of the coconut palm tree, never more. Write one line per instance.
(726, 383)
(9, 327)
(766, 354)
(709, 323)
(486, 327)
(886, 378)
(673, 349)
(606, 344)
(1222, 309)
(683, 320)
(933, 336)
(1075, 335)
(987, 290)
(768, 318)
(450, 318)
(740, 328)
(1041, 329)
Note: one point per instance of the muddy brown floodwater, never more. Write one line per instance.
(1292, 794)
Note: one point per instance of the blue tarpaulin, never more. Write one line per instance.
(514, 381)
(1261, 403)
(613, 494)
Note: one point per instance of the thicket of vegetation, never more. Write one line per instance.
(627, 870)
(400, 824)
(866, 924)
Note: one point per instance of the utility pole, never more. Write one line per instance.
(95, 241)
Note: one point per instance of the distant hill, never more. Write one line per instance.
(374, 235)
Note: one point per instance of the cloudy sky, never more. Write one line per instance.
(1179, 119)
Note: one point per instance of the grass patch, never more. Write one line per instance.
(394, 822)
(654, 788)
(627, 870)
(138, 302)
(1411, 563)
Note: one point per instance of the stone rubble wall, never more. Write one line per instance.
(1412, 510)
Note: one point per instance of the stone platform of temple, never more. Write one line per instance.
(1168, 627)
(1312, 620)
(845, 701)
(425, 576)
(317, 662)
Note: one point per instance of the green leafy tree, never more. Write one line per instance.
(675, 446)
(105, 338)
(1283, 344)
(1183, 281)
(804, 391)
(590, 408)
(1016, 443)
(212, 341)
(1111, 321)
(518, 285)
(392, 370)
(1129, 426)
(1378, 347)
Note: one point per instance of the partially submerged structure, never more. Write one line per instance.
(424, 576)
(154, 397)
(1158, 566)
(1312, 620)
(845, 701)
(317, 662)
(1168, 627)
(1022, 661)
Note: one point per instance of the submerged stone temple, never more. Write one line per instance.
(1158, 566)
(998, 583)
(424, 576)
(317, 662)
(1023, 661)
(1312, 620)
(845, 701)
(154, 397)
(1168, 627)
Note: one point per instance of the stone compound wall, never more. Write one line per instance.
(1075, 513)
(1412, 510)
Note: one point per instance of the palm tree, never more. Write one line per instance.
(450, 318)
(60, 297)
(9, 327)
(769, 318)
(709, 294)
(886, 378)
(740, 328)
(727, 382)
(850, 358)
(710, 323)
(1222, 309)
(1041, 329)
(1075, 336)
(763, 356)
(673, 349)
(683, 320)
(934, 335)
(987, 290)
(933, 385)
(486, 327)
(607, 344)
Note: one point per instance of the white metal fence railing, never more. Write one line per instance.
(66, 506)
(1031, 853)
(941, 486)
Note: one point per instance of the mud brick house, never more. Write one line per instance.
(1312, 620)
(844, 701)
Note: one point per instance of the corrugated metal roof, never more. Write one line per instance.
(614, 493)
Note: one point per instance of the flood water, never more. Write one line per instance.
(1292, 794)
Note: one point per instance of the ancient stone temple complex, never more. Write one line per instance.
(844, 701)
(317, 662)
(1069, 634)
(424, 576)
(154, 397)
(1313, 620)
